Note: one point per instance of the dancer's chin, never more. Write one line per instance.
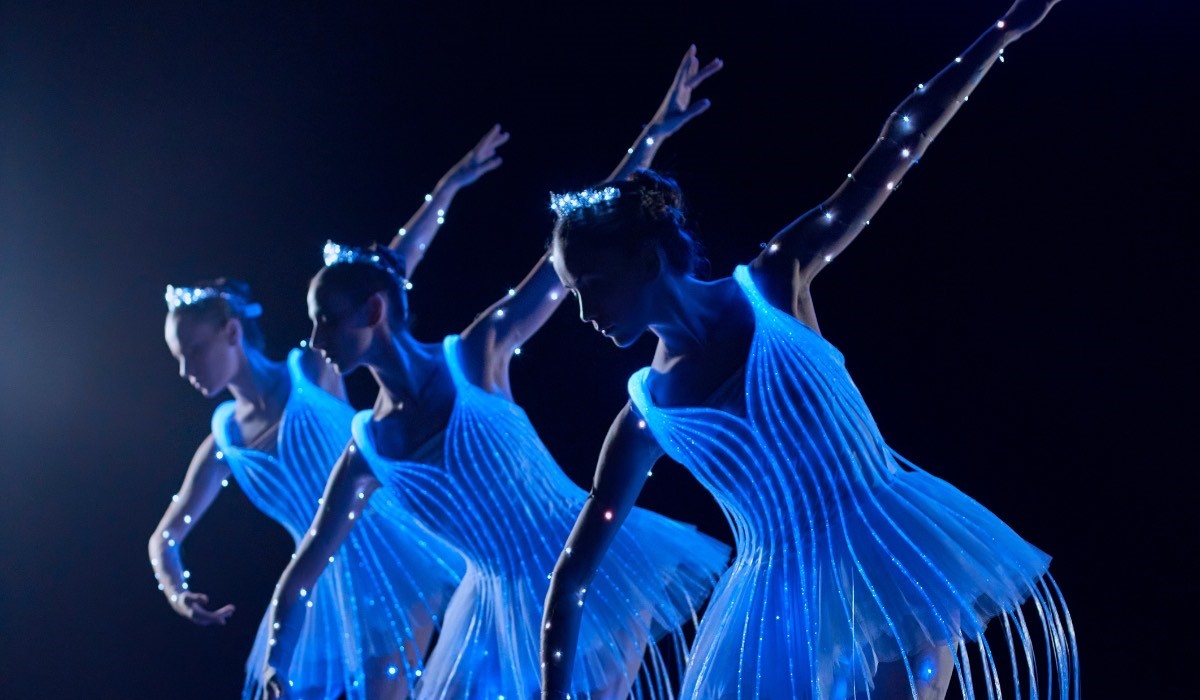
(204, 390)
(621, 340)
(341, 366)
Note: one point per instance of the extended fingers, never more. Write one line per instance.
(491, 134)
(701, 75)
(487, 147)
(498, 140)
(490, 141)
(686, 65)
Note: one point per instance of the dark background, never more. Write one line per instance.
(1016, 315)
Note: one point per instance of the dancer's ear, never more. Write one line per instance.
(233, 332)
(376, 309)
(652, 261)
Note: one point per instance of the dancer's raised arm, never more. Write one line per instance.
(798, 252)
(414, 238)
(500, 331)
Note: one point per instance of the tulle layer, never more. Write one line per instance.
(387, 583)
(383, 593)
(489, 487)
(490, 640)
(890, 575)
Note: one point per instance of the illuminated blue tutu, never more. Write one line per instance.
(488, 486)
(389, 576)
(848, 555)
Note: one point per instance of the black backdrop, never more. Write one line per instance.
(1016, 315)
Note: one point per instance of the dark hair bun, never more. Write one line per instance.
(649, 210)
(658, 192)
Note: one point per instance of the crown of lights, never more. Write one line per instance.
(336, 254)
(186, 296)
(564, 204)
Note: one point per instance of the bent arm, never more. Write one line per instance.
(200, 487)
(795, 254)
(501, 329)
(497, 333)
(417, 234)
(350, 484)
(625, 460)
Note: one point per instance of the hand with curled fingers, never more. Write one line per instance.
(272, 683)
(193, 606)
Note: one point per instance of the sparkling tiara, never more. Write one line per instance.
(186, 296)
(564, 204)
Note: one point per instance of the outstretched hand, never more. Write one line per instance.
(1027, 14)
(192, 606)
(677, 108)
(480, 160)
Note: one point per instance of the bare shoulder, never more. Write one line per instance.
(208, 445)
(354, 464)
(629, 443)
(206, 451)
(206, 462)
(485, 358)
(785, 283)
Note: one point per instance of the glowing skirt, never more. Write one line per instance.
(489, 647)
(847, 555)
(896, 571)
(387, 581)
(490, 488)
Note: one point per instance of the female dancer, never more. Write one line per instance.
(446, 440)
(369, 620)
(856, 573)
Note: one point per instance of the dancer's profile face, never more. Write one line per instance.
(341, 329)
(208, 353)
(611, 286)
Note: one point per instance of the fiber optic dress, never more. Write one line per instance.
(487, 485)
(847, 554)
(388, 577)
